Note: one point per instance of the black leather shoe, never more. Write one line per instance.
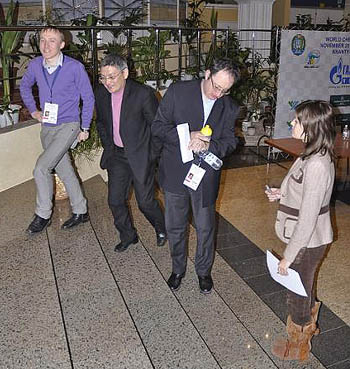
(205, 284)
(174, 281)
(38, 224)
(122, 246)
(161, 239)
(75, 220)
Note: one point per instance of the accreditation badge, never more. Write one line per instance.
(194, 177)
(50, 113)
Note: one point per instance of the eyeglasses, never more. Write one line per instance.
(219, 89)
(104, 79)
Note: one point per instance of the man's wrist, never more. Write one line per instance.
(85, 130)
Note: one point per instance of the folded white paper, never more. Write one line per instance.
(291, 281)
(183, 131)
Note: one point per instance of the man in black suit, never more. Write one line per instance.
(125, 110)
(197, 103)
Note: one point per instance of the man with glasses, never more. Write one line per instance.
(125, 110)
(197, 102)
(63, 84)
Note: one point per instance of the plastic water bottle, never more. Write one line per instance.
(346, 132)
(208, 156)
(211, 159)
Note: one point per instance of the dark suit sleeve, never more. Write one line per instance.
(164, 127)
(227, 142)
(149, 108)
(100, 123)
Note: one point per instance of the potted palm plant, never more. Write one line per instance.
(144, 54)
(10, 43)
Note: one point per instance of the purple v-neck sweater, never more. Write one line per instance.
(71, 85)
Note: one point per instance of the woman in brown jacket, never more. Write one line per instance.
(303, 221)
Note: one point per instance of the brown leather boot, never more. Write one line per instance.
(298, 344)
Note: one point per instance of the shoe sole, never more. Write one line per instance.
(205, 292)
(35, 233)
(174, 289)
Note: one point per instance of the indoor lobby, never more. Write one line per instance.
(69, 301)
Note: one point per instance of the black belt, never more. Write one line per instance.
(295, 212)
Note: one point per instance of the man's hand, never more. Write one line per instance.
(198, 142)
(83, 136)
(38, 115)
(283, 265)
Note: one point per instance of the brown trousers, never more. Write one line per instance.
(306, 263)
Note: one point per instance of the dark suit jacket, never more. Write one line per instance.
(182, 103)
(139, 106)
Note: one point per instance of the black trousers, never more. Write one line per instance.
(305, 263)
(177, 208)
(120, 178)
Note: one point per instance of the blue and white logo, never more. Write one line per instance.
(312, 59)
(298, 44)
(340, 74)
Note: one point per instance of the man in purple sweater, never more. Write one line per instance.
(62, 83)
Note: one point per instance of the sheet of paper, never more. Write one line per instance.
(183, 131)
(291, 281)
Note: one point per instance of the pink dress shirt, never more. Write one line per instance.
(117, 98)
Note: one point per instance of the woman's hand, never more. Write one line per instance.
(283, 265)
(273, 194)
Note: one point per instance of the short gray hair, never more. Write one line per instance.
(114, 60)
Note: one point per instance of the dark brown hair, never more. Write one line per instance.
(226, 65)
(318, 122)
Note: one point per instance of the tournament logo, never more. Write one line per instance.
(298, 44)
(292, 105)
(312, 59)
(340, 74)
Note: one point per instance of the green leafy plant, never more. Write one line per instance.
(82, 50)
(304, 21)
(10, 43)
(117, 46)
(257, 81)
(212, 50)
(191, 24)
(144, 53)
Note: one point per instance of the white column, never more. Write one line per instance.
(255, 15)
(43, 3)
(101, 7)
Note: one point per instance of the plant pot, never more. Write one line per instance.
(251, 131)
(162, 85)
(151, 83)
(245, 125)
(186, 77)
(10, 116)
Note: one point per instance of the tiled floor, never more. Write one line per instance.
(69, 301)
